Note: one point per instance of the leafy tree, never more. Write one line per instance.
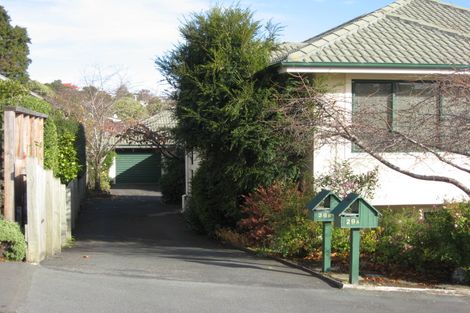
(153, 104)
(154, 107)
(56, 85)
(224, 109)
(40, 89)
(14, 49)
(128, 108)
(94, 107)
(122, 92)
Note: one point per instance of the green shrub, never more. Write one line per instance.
(263, 213)
(298, 238)
(340, 242)
(173, 179)
(343, 180)
(104, 175)
(33, 104)
(397, 229)
(80, 146)
(51, 147)
(40, 89)
(369, 239)
(12, 240)
(461, 232)
(68, 166)
(213, 200)
(193, 218)
(10, 89)
(276, 218)
(441, 240)
(438, 243)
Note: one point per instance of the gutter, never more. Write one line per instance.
(368, 68)
(373, 65)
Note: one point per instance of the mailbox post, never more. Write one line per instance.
(320, 211)
(355, 213)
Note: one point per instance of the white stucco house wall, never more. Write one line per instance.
(407, 41)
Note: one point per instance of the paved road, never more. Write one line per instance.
(134, 254)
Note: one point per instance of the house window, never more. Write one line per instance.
(389, 115)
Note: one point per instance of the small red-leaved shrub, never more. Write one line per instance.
(275, 217)
(258, 209)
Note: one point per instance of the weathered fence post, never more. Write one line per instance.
(9, 165)
(36, 226)
(49, 213)
(56, 232)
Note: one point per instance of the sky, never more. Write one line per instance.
(70, 37)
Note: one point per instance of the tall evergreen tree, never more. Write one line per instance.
(224, 109)
(14, 49)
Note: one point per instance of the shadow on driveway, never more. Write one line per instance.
(132, 233)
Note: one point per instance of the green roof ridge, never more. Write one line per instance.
(429, 25)
(332, 46)
(391, 7)
(454, 6)
(376, 15)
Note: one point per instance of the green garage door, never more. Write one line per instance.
(138, 167)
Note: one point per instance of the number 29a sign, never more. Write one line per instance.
(350, 221)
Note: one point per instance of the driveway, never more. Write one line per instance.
(135, 254)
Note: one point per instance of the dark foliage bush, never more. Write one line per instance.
(225, 110)
(213, 201)
(276, 218)
(442, 240)
(173, 179)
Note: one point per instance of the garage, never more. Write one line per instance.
(136, 166)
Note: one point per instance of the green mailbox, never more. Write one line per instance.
(320, 211)
(355, 213)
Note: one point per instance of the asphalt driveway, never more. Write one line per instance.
(135, 254)
(133, 234)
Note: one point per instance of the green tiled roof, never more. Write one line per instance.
(407, 32)
(164, 119)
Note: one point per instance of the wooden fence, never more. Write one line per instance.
(52, 209)
(23, 132)
(33, 197)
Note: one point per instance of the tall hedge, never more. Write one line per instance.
(71, 148)
(224, 109)
(60, 134)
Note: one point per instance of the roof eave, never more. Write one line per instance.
(392, 68)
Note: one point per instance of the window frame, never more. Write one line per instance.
(391, 111)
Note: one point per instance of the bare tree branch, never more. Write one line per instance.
(427, 119)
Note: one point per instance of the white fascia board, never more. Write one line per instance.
(350, 70)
